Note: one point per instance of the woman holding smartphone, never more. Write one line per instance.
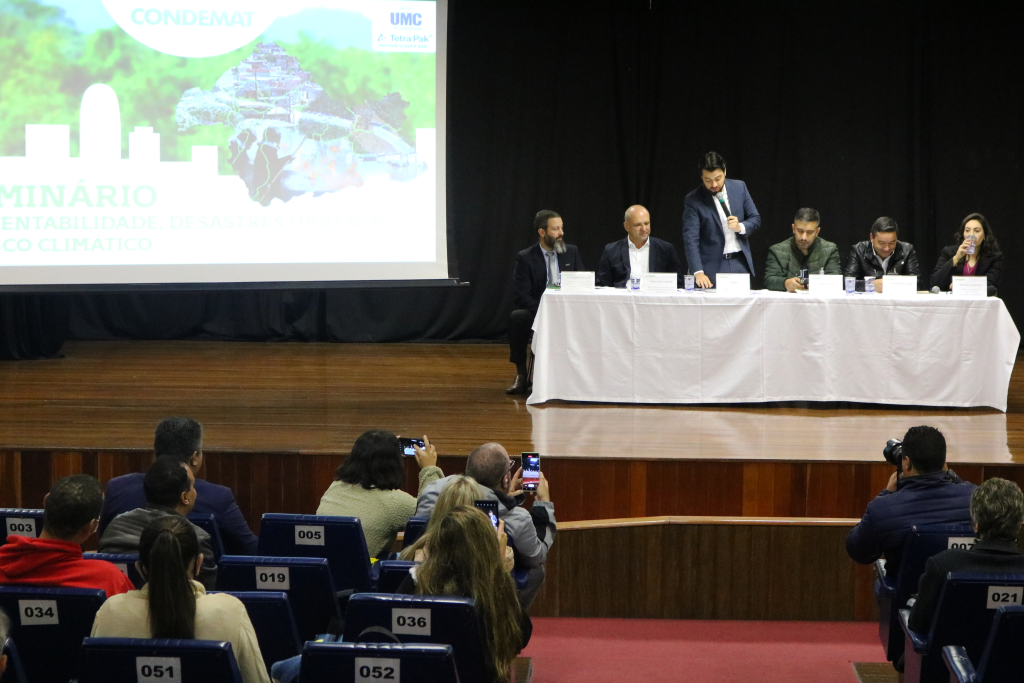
(975, 251)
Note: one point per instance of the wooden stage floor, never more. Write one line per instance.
(317, 398)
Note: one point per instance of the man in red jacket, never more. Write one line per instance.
(71, 515)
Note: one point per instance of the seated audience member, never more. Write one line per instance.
(997, 508)
(170, 492)
(927, 493)
(182, 438)
(803, 251)
(172, 605)
(986, 260)
(461, 490)
(532, 532)
(71, 513)
(882, 255)
(5, 628)
(368, 485)
(637, 254)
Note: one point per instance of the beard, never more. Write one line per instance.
(558, 246)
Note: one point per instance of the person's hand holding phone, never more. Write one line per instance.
(502, 539)
(426, 456)
(515, 487)
(543, 493)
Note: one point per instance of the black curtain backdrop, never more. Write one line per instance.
(909, 109)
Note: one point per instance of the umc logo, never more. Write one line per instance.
(406, 19)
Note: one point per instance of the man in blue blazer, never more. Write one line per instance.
(718, 219)
(638, 254)
(181, 439)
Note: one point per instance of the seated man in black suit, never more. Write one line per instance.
(537, 267)
(638, 254)
(997, 510)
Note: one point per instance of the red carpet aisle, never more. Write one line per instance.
(620, 650)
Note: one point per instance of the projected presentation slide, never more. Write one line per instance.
(221, 141)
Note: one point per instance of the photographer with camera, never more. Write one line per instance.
(922, 490)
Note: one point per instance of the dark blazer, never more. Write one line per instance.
(986, 557)
(125, 493)
(531, 275)
(989, 266)
(613, 270)
(864, 261)
(703, 239)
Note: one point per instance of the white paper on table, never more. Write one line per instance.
(898, 285)
(737, 284)
(660, 282)
(970, 286)
(828, 285)
(578, 281)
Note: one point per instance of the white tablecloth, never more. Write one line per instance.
(621, 347)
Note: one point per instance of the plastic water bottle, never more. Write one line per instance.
(634, 284)
(851, 284)
(688, 283)
(869, 285)
(970, 247)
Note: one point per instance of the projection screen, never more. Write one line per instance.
(221, 141)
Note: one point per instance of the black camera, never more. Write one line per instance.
(893, 453)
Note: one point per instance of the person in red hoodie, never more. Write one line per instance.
(71, 512)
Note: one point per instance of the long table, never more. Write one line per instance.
(616, 346)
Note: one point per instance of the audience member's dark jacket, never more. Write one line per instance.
(122, 538)
(786, 261)
(924, 499)
(864, 261)
(614, 269)
(986, 557)
(125, 493)
(531, 275)
(989, 266)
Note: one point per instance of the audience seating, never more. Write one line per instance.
(438, 619)
(21, 522)
(962, 617)
(339, 540)
(208, 523)
(49, 624)
(126, 563)
(414, 528)
(272, 619)
(892, 592)
(1003, 656)
(116, 660)
(392, 574)
(310, 587)
(15, 670)
(341, 663)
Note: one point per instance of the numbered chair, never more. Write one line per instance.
(355, 662)
(21, 522)
(441, 620)
(339, 540)
(208, 523)
(963, 616)
(141, 660)
(414, 528)
(49, 624)
(272, 619)
(126, 563)
(307, 581)
(892, 592)
(1003, 656)
(15, 670)
(392, 574)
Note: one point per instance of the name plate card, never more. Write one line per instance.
(578, 281)
(828, 285)
(661, 282)
(734, 284)
(898, 285)
(975, 287)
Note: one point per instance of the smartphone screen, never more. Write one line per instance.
(490, 508)
(531, 471)
(407, 445)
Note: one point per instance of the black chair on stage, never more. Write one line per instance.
(892, 592)
(129, 660)
(350, 662)
(21, 522)
(414, 528)
(963, 616)
(126, 563)
(208, 523)
(1003, 656)
(274, 623)
(339, 540)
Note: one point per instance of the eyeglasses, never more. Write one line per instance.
(511, 464)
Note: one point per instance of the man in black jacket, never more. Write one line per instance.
(537, 268)
(638, 254)
(882, 255)
(997, 510)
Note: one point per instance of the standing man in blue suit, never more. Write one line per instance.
(718, 219)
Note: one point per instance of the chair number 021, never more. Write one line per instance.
(999, 596)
